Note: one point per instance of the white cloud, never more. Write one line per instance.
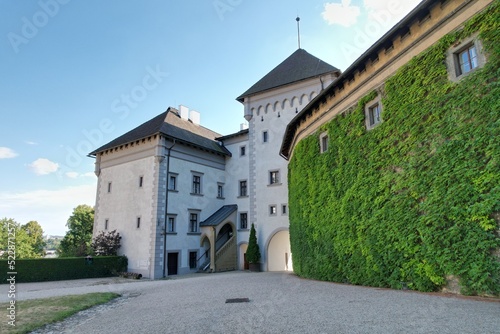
(341, 13)
(43, 166)
(74, 175)
(50, 208)
(29, 142)
(7, 153)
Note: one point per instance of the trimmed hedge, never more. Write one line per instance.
(56, 269)
(417, 199)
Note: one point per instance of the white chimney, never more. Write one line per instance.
(243, 126)
(184, 112)
(194, 116)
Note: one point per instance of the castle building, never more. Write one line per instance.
(183, 197)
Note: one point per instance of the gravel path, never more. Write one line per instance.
(279, 303)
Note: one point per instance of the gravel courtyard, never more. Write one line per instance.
(278, 303)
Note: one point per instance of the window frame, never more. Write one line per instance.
(220, 190)
(274, 177)
(265, 136)
(191, 258)
(172, 230)
(323, 142)
(243, 151)
(240, 190)
(245, 220)
(455, 72)
(196, 214)
(369, 107)
(106, 224)
(172, 186)
(273, 210)
(196, 186)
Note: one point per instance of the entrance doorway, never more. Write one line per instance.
(172, 266)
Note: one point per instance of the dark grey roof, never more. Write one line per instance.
(219, 216)
(171, 125)
(232, 135)
(300, 65)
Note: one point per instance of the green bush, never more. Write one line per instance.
(413, 200)
(39, 270)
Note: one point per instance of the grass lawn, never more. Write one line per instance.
(33, 314)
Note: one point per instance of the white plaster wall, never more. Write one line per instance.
(272, 111)
(124, 204)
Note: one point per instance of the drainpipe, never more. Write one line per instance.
(166, 212)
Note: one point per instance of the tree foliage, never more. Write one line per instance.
(78, 239)
(253, 252)
(19, 238)
(417, 199)
(106, 243)
(35, 234)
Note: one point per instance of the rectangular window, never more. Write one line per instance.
(323, 142)
(220, 191)
(171, 225)
(193, 222)
(192, 260)
(468, 59)
(264, 137)
(138, 222)
(109, 187)
(172, 182)
(283, 209)
(243, 188)
(141, 179)
(196, 185)
(243, 221)
(374, 114)
(274, 177)
(272, 210)
(242, 150)
(106, 224)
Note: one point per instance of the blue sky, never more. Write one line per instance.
(76, 74)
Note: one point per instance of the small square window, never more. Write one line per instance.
(138, 222)
(265, 137)
(464, 57)
(242, 150)
(468, 59)
(274, 177)
(243, 221)
(243, 188)
(272, 210)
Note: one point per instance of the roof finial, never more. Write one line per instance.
(298, 29)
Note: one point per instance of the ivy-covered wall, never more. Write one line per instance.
(414, 200)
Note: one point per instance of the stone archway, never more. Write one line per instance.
(242, 249)
(279, 256)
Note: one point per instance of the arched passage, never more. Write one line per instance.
(242, 264)
(279, 256)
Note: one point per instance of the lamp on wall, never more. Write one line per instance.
(262, 118)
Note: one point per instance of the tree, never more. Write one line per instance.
(253, 252)
(78, 239)
(105, 244)
(15, 239)
(35, 234)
